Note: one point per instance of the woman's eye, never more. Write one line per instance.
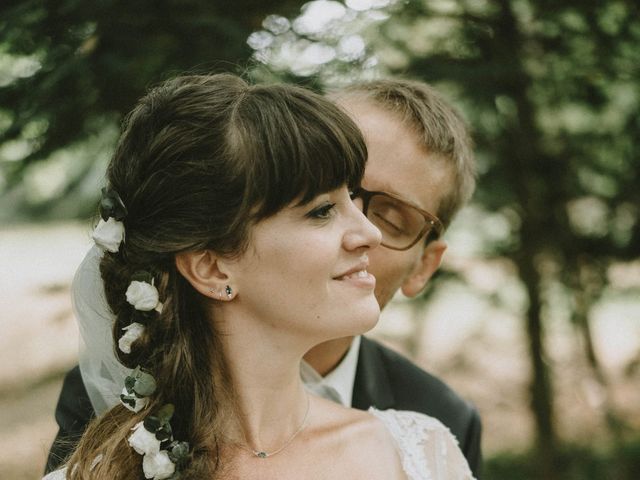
(322, 212)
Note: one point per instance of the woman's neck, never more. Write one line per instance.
(270, 400)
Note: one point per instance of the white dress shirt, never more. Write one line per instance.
(337, 385)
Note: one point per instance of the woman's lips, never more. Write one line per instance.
(359, 278)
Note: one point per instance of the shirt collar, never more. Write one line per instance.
(339, 382)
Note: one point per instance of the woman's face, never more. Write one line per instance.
(305, 270)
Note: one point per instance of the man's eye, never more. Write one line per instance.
(322, 212)
(387, 225)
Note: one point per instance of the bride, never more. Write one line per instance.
(231, 247)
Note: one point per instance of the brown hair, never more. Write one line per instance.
(439, 127)
(202, 159)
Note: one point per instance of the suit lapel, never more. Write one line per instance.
(372, 387)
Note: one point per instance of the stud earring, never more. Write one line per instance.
(228, 291)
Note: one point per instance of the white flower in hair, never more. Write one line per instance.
(142, 295)
(143, 441)
(132, 333)
(158, 466)
(109, 234)
(133, 402)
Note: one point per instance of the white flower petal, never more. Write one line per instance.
(132, 333)
(142, 295)
(143, 441)
(109, 234)
(158, 466)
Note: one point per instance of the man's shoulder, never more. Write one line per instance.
(418, 390)
(73, 414)
(74, 409)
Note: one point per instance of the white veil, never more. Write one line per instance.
(102, 374)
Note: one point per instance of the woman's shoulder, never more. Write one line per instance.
(427, 448)
(406, 423)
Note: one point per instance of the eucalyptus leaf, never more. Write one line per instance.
(152, 423)
(163, 435)
(142, 276)
(166, 412)
(143, 317)
(178, 451)
(145, 384)
(131, 401)
(129, 383)
(111, 205)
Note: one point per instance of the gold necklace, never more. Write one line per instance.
(264, 454)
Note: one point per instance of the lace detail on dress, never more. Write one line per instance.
(56, 475)
(428, 450)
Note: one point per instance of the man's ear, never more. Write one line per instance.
(425, 268)
(202, 271)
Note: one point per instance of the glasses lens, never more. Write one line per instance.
(400, 224)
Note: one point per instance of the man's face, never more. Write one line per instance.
(399, 164)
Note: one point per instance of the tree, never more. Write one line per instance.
(73, 69)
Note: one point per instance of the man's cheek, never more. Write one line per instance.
(384, 293)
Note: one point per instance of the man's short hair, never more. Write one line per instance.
(438, 125)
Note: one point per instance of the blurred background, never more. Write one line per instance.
(535, 316)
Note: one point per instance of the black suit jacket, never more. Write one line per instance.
(384, 379)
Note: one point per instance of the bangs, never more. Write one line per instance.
(293, 145)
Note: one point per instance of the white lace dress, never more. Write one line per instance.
(427, 449)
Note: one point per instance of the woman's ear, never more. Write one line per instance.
(425, 268)
(202, 271)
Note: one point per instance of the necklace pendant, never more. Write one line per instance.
(263, 454)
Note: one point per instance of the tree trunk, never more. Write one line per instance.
(540, 384)
(522, 145)
(587, 288)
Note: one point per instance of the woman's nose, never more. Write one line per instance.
(362, 233)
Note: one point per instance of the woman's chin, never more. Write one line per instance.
(366, 318)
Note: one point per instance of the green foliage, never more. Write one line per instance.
(551, 89)
(72, 69)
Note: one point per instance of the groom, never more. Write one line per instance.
(420, 153)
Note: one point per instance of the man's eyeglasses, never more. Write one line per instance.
(402, 224)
